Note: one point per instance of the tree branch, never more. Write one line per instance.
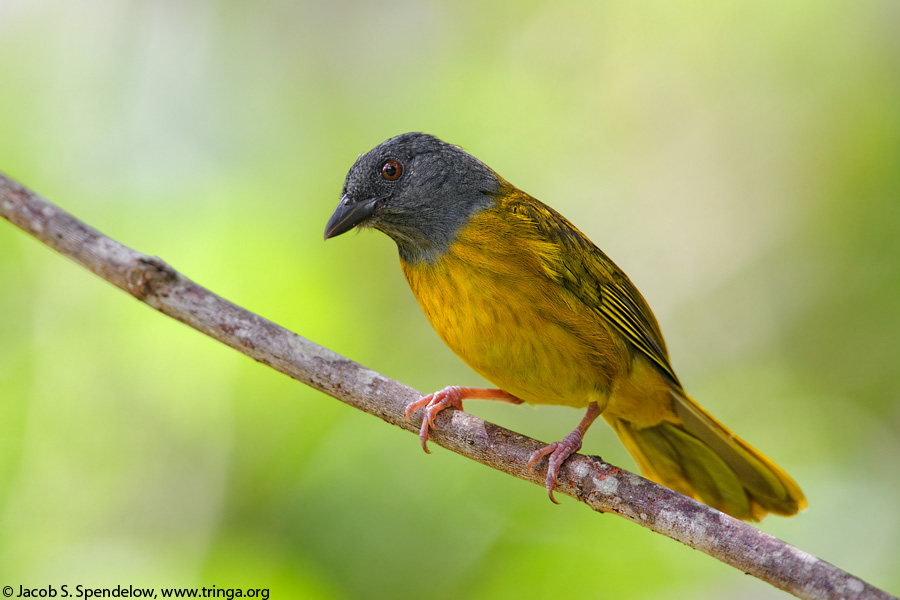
(601, 486)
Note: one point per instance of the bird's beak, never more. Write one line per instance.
(348, 214)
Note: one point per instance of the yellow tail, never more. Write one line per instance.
(701, 458)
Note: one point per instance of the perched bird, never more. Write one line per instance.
(531, 304)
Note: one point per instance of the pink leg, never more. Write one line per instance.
(560, 451)
(451, 397)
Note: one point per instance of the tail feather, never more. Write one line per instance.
(701, 458)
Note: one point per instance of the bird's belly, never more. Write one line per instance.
(525, 343)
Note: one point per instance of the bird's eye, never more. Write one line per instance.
(391, 170)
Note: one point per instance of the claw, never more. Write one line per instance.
(449, 397)
(559, 452)
(563, 449)
(414, 406)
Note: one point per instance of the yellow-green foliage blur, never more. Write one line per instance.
(740, 161)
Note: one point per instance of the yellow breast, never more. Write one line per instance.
(491, 302)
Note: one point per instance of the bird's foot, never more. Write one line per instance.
(559, 452)
(449, 397)
(563, 449)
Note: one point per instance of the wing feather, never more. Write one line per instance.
(587, 273)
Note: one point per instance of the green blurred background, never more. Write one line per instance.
(740, 160)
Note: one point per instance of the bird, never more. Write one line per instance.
(537, 309)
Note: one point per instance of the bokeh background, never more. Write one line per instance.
(740, 160)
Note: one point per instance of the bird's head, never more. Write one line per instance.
(418, 190)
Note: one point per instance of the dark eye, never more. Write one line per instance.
(391, 170)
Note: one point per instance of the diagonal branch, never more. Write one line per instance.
(601, 486)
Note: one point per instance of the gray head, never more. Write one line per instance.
(416, 189)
